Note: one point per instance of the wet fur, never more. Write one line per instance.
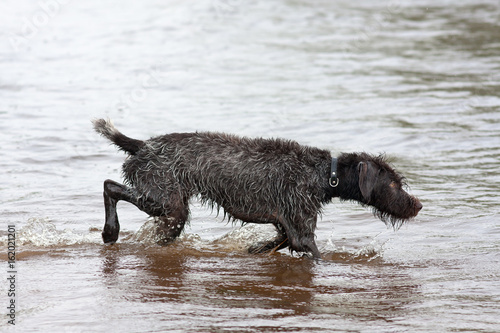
(253, 180)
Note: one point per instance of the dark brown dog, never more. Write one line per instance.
(254, 180)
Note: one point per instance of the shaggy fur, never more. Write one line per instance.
(254, 180)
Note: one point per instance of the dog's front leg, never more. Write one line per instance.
(301, 235)
(313, 248)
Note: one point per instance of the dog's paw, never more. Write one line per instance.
(263, 247)
(110, 235)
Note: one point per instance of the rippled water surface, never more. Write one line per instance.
(418, 81)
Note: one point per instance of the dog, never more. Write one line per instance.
(257, 180)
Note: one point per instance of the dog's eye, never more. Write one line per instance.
(393, 185)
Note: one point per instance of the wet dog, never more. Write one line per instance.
(253, 180)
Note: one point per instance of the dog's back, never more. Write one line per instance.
(238, 174)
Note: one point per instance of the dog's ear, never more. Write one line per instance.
(367, 173)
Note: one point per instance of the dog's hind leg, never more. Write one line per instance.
(171, 223)
(114, 192)
(280, 242)
(172, 213)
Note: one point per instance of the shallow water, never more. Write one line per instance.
(419, 82)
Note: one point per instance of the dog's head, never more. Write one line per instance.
(375, 183)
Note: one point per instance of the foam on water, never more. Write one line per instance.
(366, 253)
(238, 239)
(41, 232)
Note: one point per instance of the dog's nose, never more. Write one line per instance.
(418, 206)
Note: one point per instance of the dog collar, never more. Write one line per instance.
(334, 181)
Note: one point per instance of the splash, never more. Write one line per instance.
(41, 232)
(371, 252)
(239, 239)
(148, 235)
(242, 238)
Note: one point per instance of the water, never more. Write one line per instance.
(418, 81)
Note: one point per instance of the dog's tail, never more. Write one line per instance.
(108, 130)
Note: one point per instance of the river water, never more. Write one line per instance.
(418, 81)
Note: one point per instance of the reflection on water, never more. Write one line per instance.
(417, 81)
(288, 291)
